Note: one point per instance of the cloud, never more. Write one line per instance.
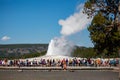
(5, 38)
(74, 23)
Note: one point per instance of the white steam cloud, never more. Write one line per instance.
(5, 38)
(74, 23)
(60, 46)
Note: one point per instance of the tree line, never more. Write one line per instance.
(82, 52)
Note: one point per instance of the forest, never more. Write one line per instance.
(79, 51)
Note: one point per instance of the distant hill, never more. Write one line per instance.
(13, 51)
(22, 45)
(22, 50)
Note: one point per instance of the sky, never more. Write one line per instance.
(39, 21)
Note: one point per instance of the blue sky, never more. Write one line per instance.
(36, 21)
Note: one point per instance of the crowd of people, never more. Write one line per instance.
(62, 62)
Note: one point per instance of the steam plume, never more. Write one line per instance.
(60, 46)
(74, 23)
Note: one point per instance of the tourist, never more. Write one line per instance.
(64, 64)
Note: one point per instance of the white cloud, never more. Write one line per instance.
(74, 23)
(5, 38)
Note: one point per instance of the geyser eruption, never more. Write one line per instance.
(60, 46)
(71, 25)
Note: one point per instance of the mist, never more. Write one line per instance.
(60, 46)
(71, 25)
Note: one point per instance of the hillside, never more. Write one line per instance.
(22, 45)
(15, 51)
(20, 50)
